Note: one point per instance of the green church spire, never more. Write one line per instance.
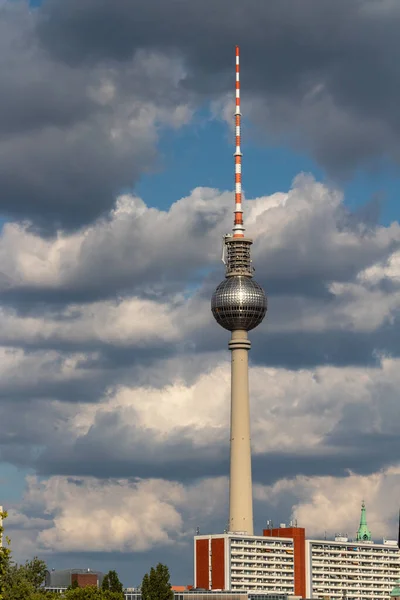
(363, 533)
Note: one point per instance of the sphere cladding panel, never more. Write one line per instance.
(239, 302)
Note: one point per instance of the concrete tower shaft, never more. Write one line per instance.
(239, 304)
(240, 480)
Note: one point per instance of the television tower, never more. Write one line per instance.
(239, 304)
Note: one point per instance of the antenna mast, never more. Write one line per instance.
(238, 228)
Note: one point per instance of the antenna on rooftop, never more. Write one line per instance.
(270, 524)
(398, 536)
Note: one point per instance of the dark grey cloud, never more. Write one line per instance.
(296, 349)
(66, 180)
(135, 456)
(178, 460)
(325, 75)
(339, 344)
(57, 95)
(105, 362)
(72, 138)
(302, 245)
(38, 435)
(182, 461)
(341, 348)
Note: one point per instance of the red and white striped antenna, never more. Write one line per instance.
(238, 228)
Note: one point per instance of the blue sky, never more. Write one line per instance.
(200, 154)
(12, 483)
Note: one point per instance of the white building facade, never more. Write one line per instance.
(339, 568)
(244, 563)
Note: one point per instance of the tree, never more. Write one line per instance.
(106, 583)
(112, 583)
(35, 572)
(156, 584)
(5, 553)
(20, 582)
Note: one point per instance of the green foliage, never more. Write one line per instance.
(16, 586)
(112, 583)
(156, 584)
(106, 583)
(35, 572)
(25, 593)
(73, 585)
(5, 556)
(20, 582)
(91, 593)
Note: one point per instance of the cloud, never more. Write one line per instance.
(135, 280)
(330, 505)
(85, 134)
(324, 420)
(97, 102)
(305, 241)
(98, 359)
(87, 515)
(136, 249)
(320, 77)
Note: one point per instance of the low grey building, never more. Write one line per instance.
(60, 580)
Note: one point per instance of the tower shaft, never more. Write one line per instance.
(240, 484)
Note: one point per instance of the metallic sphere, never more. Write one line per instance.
(239, 302)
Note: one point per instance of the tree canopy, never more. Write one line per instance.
(112, 583)
(5, 554)
(156, 584)
(92, 593)
(19, 582)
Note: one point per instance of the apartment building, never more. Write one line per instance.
(354, 570)
(283, 561)
(236, 562)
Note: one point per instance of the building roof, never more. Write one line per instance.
(363, 533)
(244, 536)
(62, 578)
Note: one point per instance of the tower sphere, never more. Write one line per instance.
(239, 302)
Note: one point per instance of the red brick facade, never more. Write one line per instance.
(202, 564)
(84, 579)
(298, 534)
(218, 564)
